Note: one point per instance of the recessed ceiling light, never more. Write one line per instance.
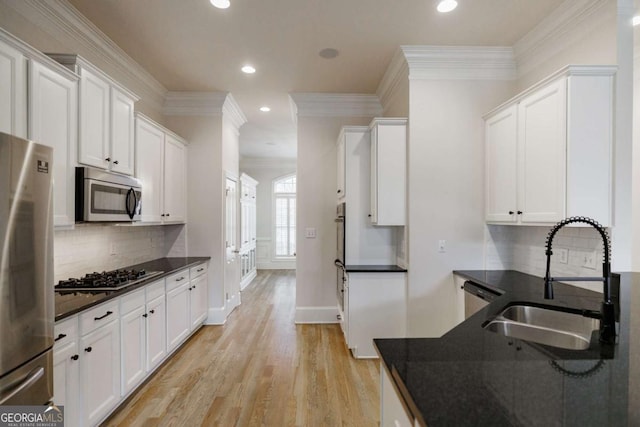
(265, 109)
(220, 4)
(636, 20)
(248, 69)
(328, 53)
(447, 5)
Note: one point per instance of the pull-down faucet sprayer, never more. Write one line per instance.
(607, 312)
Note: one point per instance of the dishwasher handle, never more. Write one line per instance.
(480, 292)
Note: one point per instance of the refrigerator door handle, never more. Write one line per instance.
(33, 376)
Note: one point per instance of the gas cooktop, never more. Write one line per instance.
(106, 281)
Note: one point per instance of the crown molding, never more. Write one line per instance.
(54, 16)
(232, 110)
(460, 62)
(335, 105)
(570, 22)
(179, 103)
(397, 72)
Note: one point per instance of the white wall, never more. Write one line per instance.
(446, 192)
(316, 199)
(265, 171)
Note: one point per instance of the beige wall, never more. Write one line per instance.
(317, 180)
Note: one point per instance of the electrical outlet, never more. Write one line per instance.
(562, 255)
(442, 246)
(112, 249)
(590, 260)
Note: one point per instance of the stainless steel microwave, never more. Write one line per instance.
(106, 196)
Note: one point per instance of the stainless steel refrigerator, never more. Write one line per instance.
(26, 272)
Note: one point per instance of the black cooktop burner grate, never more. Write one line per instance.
(106, 280)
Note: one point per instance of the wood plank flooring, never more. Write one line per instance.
(260, 369)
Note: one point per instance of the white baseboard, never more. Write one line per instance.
(217, 316)
(317, 315)
(247, 280)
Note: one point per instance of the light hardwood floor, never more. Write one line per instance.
(260, 369)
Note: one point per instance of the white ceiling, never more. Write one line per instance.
(188, 45)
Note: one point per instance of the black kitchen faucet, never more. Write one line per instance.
(607, 311)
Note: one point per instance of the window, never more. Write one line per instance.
(284, 218)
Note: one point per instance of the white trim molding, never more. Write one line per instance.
(232, 110)
(316, 315)
(396, 73)
(335, 105)
(179, 103)
(459, 62)
(569, 23)
(56, 16)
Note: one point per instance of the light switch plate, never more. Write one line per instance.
(590, 260)
(563, 255)
(310, 233)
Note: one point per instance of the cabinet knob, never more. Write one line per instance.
(511, 212)
(108, 159)
(193, 287)
(75, 357)
(519, 212)
(339, 191)
(115, 162)
(88, 349)
(190, 288)
(152, 311)
(167, 215)
(145, 315)
(162, 215)
(369, 215)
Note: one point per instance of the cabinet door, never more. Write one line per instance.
(199, 297)
(122, 131)
(393, 412)
(501, 138)
(149, 165)
(100, 372)
(388, 176)
(156, 332)
(66, 381)
(133, 330)
(174, 180)
(93, 140)
(53, 113)
(341, 168)
(542, 154)
(178, 320)
(13, 91)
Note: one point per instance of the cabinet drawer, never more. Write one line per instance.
(66, 331)
(177, 279)
(198, 270)
(98, 316)
(131, 301)
(155, 290)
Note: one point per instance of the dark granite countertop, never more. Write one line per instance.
(473, 377)
(68, 303)
(374, 269)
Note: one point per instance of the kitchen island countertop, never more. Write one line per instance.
(70, 302)
(474, 377)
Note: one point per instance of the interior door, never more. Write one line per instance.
(232, 247)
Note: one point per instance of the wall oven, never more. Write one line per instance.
(105, 196)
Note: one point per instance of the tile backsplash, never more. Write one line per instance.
(98, 247)
(523, 249)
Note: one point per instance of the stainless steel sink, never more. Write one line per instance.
(544, 326)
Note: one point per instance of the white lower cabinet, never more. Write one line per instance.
(392, 409)
(375, 307)
(66, 370)
(99, 362)
(133, 330)
(104, 353)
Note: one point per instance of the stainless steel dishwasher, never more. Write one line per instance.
(476, 298)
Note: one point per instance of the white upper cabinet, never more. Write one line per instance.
(548, 150)
(106, 134)
(161, 166)
(388, 171)
(341, 192)
(53, 113)
(13, 91)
